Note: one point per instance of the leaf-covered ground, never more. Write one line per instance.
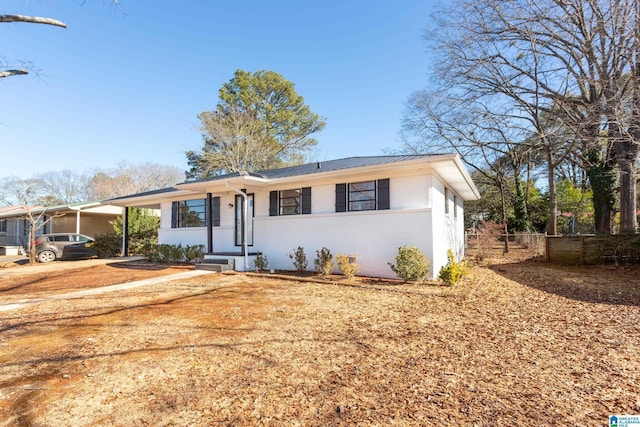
(519, 342)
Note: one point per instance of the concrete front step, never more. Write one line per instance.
(216, 264)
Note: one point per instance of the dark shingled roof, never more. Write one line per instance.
(321, 166)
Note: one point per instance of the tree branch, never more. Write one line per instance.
(9, 73)
(32, 20)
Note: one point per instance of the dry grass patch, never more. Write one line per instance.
(247, 350)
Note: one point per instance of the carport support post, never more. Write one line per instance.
(125, 231)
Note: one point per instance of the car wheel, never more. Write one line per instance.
(46, 256)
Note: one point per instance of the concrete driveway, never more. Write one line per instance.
(24, 268)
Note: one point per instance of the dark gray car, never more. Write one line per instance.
(50, 247)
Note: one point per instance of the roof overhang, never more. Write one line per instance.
(92, 207)
(448, 167)
(150, 200)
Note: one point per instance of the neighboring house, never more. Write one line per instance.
(363, 206)
(90, 218)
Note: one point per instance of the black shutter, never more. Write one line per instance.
(174, 215)
(341, 197)
(215, 209)
(273, 203)
(383, 194)
(306, 200)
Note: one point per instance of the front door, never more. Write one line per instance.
(241, 227)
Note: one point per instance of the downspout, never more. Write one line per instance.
(244, 224)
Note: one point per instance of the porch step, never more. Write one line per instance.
(216, 264)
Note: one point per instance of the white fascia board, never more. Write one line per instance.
(215, 185)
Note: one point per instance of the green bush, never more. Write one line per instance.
(107, 245)
(149, 250)
(170, 253)
(453, 271)
(193, 252)
(411, 264)
(299, 259)
(165, 253)
(348, 265)
(260, 262)
(323, 262)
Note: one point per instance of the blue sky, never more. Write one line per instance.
(127, 84)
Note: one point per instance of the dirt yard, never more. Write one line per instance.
(519, 342)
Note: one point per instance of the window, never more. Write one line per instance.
(3, 225)
(363, 196)
(189, 213)
(290, 202)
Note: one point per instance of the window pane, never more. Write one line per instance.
(362, 206)
(362, 196)
(290, 202)
(191, 213)
(361, 186)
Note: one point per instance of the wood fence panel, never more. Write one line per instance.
(588, 249)
(565, 249)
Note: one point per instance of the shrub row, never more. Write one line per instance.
(164, 253)
(411, 264)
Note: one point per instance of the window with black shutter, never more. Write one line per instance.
(290, 202)
(188, 213)
(363, 196)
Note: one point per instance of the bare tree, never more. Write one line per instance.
(25, 195)
(239, 142)
(558, 64)
(64, 187)
(129, 179)
(491, 146)
(264, 108)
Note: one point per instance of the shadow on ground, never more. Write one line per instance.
(602, 284)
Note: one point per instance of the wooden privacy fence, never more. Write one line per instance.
(590, 249)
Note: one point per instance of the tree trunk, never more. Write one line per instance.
(602, 178)
(522, 221)
(553, 197)
(32, 242)
(504, 218)
(628, 161)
